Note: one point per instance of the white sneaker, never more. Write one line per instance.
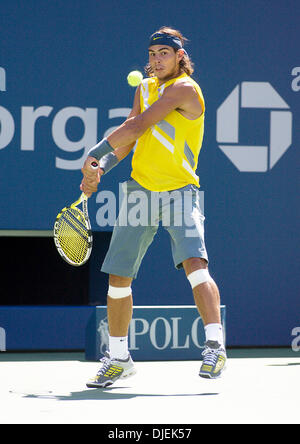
(111, 370)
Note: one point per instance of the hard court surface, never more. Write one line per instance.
(259, 386)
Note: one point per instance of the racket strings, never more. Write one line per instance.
(73, 236)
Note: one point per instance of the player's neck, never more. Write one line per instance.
(171, 76)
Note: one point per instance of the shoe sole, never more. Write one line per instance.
(95, 385)
(209, 376)
(206, 376)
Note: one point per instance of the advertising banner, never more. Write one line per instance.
(155, 333)
(39, 328)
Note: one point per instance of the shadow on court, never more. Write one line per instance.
(284, 365)
(109, 394)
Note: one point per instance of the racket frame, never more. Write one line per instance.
(83, 199)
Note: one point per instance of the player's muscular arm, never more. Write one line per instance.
(91, 178)
(191, 108)
(179, 96)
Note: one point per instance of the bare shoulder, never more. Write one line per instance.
(190, 106)
(182, 86)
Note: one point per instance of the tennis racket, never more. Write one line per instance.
(72, 233)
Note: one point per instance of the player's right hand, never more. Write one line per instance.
(91, 177)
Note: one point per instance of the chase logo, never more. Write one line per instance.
(257, 158)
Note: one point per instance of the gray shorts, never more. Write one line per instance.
(141, 213)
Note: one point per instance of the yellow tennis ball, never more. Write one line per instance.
(134, 78)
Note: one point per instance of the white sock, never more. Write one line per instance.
(214, 332)
(118, 347)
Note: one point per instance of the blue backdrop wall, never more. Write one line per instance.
(63, 69)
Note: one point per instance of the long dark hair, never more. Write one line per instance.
(185, 63)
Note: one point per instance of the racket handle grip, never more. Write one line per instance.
(94, 165)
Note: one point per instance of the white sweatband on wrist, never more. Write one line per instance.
(199, 277)
(99, 150)
(119, 292)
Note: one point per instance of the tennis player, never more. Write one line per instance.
(167, 122)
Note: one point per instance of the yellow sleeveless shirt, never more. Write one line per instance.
(166, 155)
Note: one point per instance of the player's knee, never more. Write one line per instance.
(119, 281)
(194, 263)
